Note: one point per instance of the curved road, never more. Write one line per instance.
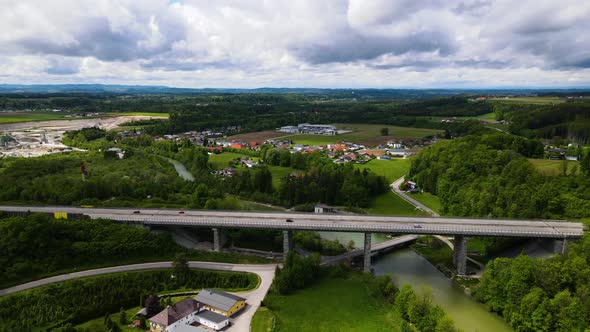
(395, 188)
(240, 323)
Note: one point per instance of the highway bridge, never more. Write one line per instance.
(288, 222)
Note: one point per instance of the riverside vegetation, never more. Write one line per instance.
(337, 292)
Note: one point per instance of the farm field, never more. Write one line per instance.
(153, 114)
(553, 167)
(391, 204)
(331, 304)
(15, 117)
(390, 169)
(530, 100)
(259, 136)
(367, 134)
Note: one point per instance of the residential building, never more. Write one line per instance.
(220, 302)
(181, 313)
(323, 208)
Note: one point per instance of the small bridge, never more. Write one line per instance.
(375, 248)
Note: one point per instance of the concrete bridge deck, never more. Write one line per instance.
(326, 222)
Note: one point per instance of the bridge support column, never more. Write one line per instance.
(287, 242)
(219, 239)
(460, 254)
(560, 246)
(367, 253)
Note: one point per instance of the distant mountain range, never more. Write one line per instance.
(155, 89)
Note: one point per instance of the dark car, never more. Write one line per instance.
(180, 212)
(289, 220)
(136, 212)
(417, 226)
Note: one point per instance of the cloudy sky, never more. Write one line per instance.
(297, 43)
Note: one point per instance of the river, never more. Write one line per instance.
(181, 170)
(409, 267)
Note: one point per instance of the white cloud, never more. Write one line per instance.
(251, 43)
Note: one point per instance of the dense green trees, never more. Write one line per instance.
(79, 300)
(488, 176)
(541, 295)
(89, 177)
(38, 245)
(419, 310)
(569, 120)
(297, 272)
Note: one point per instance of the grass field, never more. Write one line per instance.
(367, 134)
(221, 161)
(429, 200)
(530, 100)
(553, 167)
(391, 204)
(28, 116)
(279, 172)
(159, 115)
(390, 169)
(331, 304)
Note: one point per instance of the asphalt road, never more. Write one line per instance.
(326, 222)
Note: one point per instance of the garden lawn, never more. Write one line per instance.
(331, 304)
(221, 161)
(391, 204)
(390, 169)
(279, 172)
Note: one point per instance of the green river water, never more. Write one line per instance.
(409, 267)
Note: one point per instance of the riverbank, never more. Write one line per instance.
(408, 267)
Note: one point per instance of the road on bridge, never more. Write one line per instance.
(325, 222)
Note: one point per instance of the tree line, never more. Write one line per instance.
(489, 176)
(541, 294)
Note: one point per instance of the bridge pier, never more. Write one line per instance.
(460, 254)
(367, 253)
(560, 246)
(287, 242)
(219, 239)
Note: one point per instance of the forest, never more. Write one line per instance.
(37, 246)
(566, 121)
(541, 294)
(489, 176)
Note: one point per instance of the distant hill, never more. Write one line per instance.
(343, 93)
